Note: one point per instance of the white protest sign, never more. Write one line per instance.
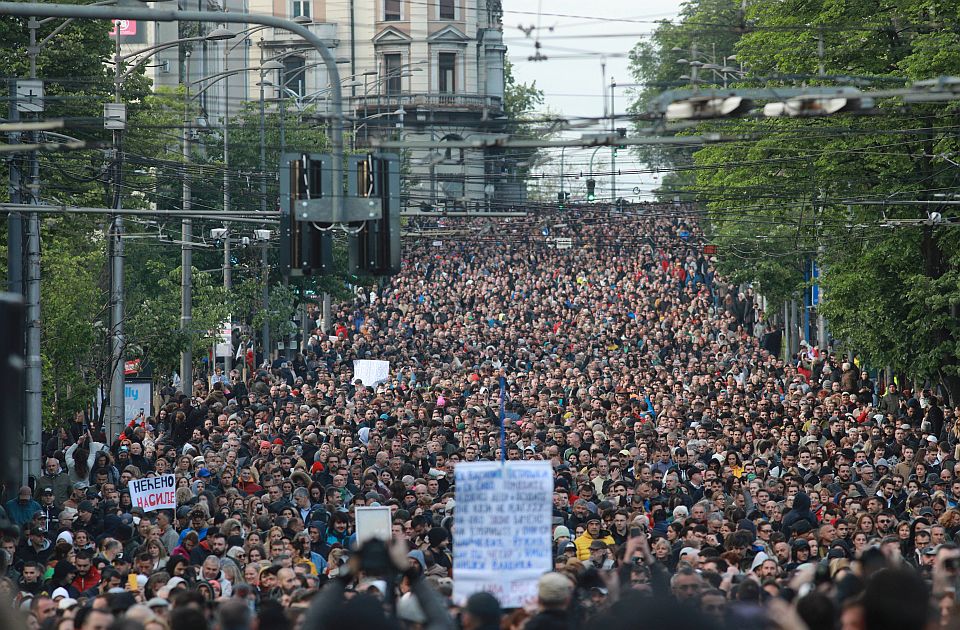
(371, 373)
(502, 543)
(154, 493)
(137, 397)
(373, 522)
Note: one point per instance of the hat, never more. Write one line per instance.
(408, 609)
(597, 545)
(553, 589)
(882, 462)
(47, 490)
(593, 517)
(932, 439)
(175, 582)
(203, 472)
(86, 506)
(484, 607)
(930, 551)
(688, 551)
(758, 560)
(278, 442)
(567, 546)
(436, 536)
(59, 592)
(158, 602)
(67, 603)
(560, 532)
(199, 460)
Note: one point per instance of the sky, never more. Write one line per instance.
(577, 37)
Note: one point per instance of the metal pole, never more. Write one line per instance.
(265, 289)
(613, 147)
(562, 150)
(115, 415)
(186, 251)
(266, 301)
(227, 276)
(787, 344)
(33, 407)
(326, 313)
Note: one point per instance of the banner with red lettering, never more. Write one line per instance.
(154, 493)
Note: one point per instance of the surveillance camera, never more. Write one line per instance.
(218, 233)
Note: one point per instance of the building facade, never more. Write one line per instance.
(409, 69)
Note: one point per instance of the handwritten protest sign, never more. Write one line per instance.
(372, 373)
(154, 493)
(504, 522)
(373, 522)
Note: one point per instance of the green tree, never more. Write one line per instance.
(521, 102)
(705, 32)
(153, 328)
(891, 289)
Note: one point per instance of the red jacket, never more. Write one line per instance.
(86, 582)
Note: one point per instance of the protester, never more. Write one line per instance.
(693, 466)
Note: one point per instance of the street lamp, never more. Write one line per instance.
(116, 121)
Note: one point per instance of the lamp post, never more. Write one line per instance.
(227, 271)
(116, 121)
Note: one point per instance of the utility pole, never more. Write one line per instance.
(186, 250)
(227, 275)
(30, 98)
(115, 415)
(265, 267)
(613, 147)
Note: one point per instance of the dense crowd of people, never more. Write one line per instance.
(693, 465)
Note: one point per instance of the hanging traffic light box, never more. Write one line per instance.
(591, 189)
(306, 247)
(370, 214)
(375, 243)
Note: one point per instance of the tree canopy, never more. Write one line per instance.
(775, 193)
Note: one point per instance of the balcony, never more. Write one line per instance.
(444, 102)
(282, 38)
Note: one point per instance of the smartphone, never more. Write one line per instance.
(132, 582)
(636, 531)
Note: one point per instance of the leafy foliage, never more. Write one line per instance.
(775, 197)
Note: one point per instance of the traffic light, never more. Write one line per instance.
(375, 247)
(305, 247)
(591, 190)
(562, 198)
(622, 132)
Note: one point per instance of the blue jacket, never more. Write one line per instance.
(21, 513)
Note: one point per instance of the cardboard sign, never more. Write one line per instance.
(373, 522)
(154, 493)
(502, 541)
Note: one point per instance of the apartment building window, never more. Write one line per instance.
(448, 10)
(294, 76)
(391, 10)
(301, 8)
(447, 72)
(392, 81)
